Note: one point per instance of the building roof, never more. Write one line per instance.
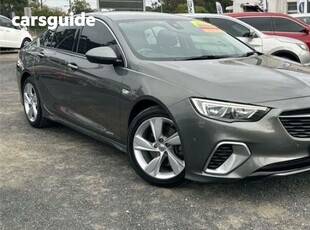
(130, 15)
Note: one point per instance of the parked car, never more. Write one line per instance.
(276, 24)
(288, 48)
(183, 98)
(303, 17)
(12, 36)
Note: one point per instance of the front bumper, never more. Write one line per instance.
(304, 57)
(267, 141)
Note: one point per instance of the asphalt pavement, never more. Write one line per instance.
(57, 178)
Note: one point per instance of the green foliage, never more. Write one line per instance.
(44, 11)
(9, 6)
(182, 8)
(80, 6)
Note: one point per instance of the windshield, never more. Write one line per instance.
(305, 19)
(166, 39)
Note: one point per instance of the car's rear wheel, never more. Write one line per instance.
(155, 149)
(32, 106)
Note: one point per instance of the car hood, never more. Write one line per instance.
(249, 80)
(286, 39)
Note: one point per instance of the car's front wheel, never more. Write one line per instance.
(32, 105)
(155, 149)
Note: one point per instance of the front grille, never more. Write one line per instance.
(297, 126)
(221, 154)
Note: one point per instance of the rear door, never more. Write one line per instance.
(263, 24)
(239, 31)
(2, 33)
(51, 67)
(13, 35)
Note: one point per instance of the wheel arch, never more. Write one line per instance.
(286, 53)
(144, 103)
(23, 78)
(24, 39)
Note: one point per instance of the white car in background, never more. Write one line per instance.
(12, 36)
(283, 47)
(303, 17)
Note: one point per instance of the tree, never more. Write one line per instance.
(182, 8)
(80, 6)
(171, 6)
(9, 6)
(46, 11)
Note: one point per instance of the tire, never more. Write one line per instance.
(25, 42)
(32, 105)
(155, 150)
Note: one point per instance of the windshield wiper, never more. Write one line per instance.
(204, 57)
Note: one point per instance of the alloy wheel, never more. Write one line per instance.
(157, 148)
(30, 102)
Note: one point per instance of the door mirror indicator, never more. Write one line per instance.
(102, 55)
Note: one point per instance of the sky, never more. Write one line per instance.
(64, 3)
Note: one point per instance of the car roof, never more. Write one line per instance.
(130, 15)
(266, 14)
(246, 14)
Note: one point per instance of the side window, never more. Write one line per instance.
(231, 27)
(287, 25)
(6, 23)
(64, 37)
(96, 36)
(39, 41)
(260, 23)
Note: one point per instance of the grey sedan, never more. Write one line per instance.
(184, 99)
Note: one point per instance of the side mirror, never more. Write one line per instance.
(102, 55)
(23, 27)
(307, 31)
(252, 34)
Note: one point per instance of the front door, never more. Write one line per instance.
(93, 90)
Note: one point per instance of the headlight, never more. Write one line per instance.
(303, 46)
(229, 112)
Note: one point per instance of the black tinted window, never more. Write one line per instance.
(287, 25)
(230, 27)
(260, 23)
(96, 36)
(64, 37)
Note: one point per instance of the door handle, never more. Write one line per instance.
(41, 54)
(73, 66)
